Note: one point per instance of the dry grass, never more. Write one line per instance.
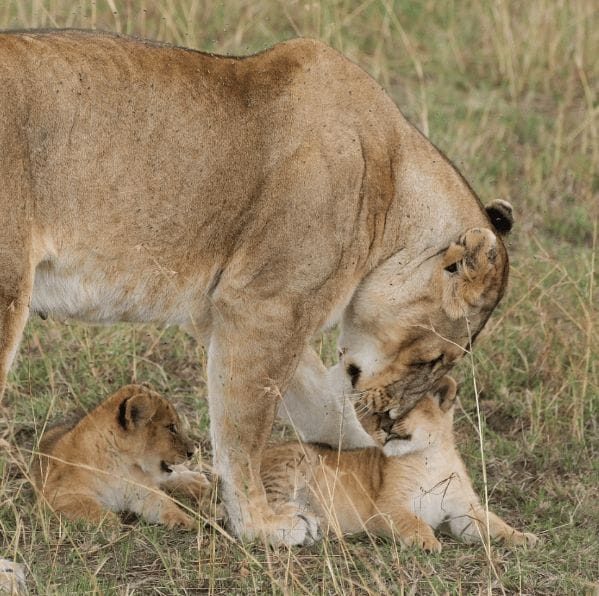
(508, 90)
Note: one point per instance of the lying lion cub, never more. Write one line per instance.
(407, 495)
(119, 458)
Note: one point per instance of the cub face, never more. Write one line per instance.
(150, 429)
(428, 424)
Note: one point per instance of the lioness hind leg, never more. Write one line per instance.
(16, 281)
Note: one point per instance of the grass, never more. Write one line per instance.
(509, 91)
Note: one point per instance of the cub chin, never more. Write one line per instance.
(119, 457)
(406, 495)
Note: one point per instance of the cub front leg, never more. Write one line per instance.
(182, 480)
(155, 506)
(408, 527)
(317, 405)
(250, 362)
(472, 527)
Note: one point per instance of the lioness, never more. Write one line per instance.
(252, 201)
(407, 495)
(119, 457)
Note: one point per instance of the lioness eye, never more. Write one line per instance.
(437, 360)
(172, 428)
(428, 363)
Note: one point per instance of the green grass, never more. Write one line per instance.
(509, 91)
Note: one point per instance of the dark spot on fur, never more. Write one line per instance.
(215, 281)
(500, 214)
(453, 268)
(122, 417)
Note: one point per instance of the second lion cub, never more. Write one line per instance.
(407, 495)
(119, 457)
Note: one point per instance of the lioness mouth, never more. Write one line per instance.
(165, 467)
(396, 437)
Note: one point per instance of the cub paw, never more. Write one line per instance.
(521, 539)
(425, 541)
(195, 484)
(177, 518)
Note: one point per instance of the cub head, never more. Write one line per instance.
(428, 424)
(149, 429)
(412, 319)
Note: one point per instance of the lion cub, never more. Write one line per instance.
(119, 458)
(407, 495)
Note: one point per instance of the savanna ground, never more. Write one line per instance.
(508, 90)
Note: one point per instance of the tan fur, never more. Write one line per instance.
(251, 201)
(405, 495)
(120, 457)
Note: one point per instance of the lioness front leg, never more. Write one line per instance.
(246, 372)
(316, 404)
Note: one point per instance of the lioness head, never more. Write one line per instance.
(428, 424)
(149, 429)
(408, 323)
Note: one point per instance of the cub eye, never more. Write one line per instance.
(452, 268)
(172, 428)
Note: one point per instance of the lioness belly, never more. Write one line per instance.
(90, 290)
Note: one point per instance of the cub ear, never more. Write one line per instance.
(135, 411)
(468, 263)
(501, 215)
(447, 392)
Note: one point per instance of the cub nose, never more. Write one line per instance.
(386, 422)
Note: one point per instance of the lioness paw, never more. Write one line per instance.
(298, 529)
(287, 526)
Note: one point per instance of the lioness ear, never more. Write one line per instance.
(447, 392)
(137, 410)
(501, 215)
(466, 265)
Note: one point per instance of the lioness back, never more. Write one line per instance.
(192, 153)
